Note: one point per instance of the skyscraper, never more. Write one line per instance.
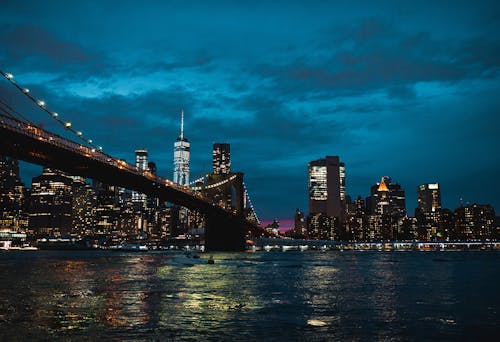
(12, 195)
(475, 222)
(385, 206)
(428, 212)
(221, 158)
(327, 187)
(181, 157)
(386, 198)
(51, 203)
(141, 162)
(429, 197)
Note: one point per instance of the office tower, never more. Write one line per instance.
(181, 157)
(429, 197)
(327, 187)
(51, 203)
(355, 220)
(107, 212)
(474, 222)
(300, 223)
(327, 198)
(83, 207)
(386, 198)
(12, 195)
(385, 206)
(221, 157)
(428, 211)
(141, 162)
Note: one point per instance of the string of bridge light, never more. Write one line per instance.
(250, 202)
(201, 179)
(54, 115)
(215, 185)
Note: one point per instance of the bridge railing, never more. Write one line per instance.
(54, 139)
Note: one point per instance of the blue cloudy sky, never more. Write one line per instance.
(408, 90)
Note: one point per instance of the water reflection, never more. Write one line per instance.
(268, 296)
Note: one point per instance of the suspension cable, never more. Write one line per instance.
(41, 104)
(16, 114)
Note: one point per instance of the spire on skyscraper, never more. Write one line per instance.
(182, 124)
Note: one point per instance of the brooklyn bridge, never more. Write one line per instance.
(226, 228)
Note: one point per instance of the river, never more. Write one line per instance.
(285, 296)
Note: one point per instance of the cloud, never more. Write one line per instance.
(407, 90)
(29, 44)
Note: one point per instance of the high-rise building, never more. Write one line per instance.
(386, 198)
(181, 157)
(300, 223)
(385, 206)
(429, 197)
(141, 162)
(327, 198)
(51, 203)
(327, 187)
(475, 222)
(428, 212)
(84, 203)
(221, 158)
(107, 212)
(12, 196)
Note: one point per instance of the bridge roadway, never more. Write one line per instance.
(225, 230)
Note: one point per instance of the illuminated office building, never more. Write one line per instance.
(12, 196)
(51, 203)
(386, 198)
(428, 212)
(327, 187)
(221, 155)
(141, 162)
(429, 197)
(474, 222)
(181, 157)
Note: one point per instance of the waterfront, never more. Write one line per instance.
(364, 295)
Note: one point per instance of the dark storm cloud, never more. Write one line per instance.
(26, 41)
(374, 55)
(405, 90)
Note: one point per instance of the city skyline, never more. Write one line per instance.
(406, 91)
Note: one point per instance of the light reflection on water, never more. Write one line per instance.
(271, 296)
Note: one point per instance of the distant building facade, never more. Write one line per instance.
(327, 197)
(141, 163)
(475, 222)
(51, 197)
(13, 196)
(221, 158)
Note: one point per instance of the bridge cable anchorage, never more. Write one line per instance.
(215, 185)
(254, 213)
(41, 104)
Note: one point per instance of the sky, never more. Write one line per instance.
(403, 89)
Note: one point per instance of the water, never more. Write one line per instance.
(306, 296)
